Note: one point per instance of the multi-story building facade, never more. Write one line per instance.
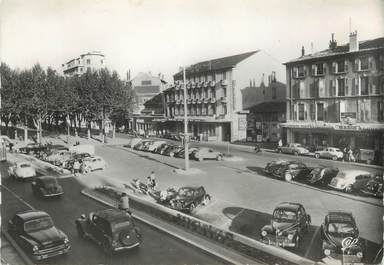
(267, 109)
(90, 61)
(214, 101)
(336, 96)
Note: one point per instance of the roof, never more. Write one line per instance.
(113, 215)
(340, 216)
(191, 187)
(377, 43)
(146, 89)
(29, 215)
(289, 206)
(215, 64)
(272, 106)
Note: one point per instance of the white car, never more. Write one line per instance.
(329, 152)
(22, 170)
(93, 163)
(155, 145)
(349, 180)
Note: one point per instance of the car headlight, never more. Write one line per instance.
(359, 254)
(66, 240)
(327, 252)
(290, 236)
(35, 248)
(264, 233)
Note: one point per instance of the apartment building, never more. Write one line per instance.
(214, 101)
(336, 96)
(88, 61)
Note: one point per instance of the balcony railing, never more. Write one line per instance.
(193, 85)
(212, 83)
(213, 100)
(224, 82)
(206, 84)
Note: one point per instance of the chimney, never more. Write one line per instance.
(273, 76)
(262, 79)
(353, 43)
(302, 51)
(332, 42)
(269, 79)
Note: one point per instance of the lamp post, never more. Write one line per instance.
(186, 138)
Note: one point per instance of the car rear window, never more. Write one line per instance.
(25, 165)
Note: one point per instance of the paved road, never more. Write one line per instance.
(246, 197)
(157, 247)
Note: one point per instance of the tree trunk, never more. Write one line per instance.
(89, 130)
(26, 130)
(113, 130)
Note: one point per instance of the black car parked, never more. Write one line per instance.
(339, 226)
(322, 175)
(187, 198)
(33, 148)
(288, 224)
(46, 187)
(113, 229)
(288, 170)
(374, 187)
(36, 234)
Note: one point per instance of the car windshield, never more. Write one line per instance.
(284, 215)
(50, 181)
(341, 229)
(25, 165)
(122, 225)
(185, 192)
(38, 224)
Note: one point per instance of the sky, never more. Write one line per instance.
(159, 36)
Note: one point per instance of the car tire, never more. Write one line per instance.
(171, 154)
(296, 153)
(192, 207)
(279, 151)
(288, 177)
(80, 231)
(317, 155)
(206, 200)
(200, 159)
(219, 158)
(348, 189)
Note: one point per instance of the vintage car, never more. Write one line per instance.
(93, 162)
(350, 180)
(113, 229)
(142, 145)
(152, 148)
(374, 187)
(288, 170)
(329, 152)
(172, 150)
(181, 153)
(188, 197)
(36, 234)
(132, 142)
(58, 157)
(22, 170)
(32, 148)
(322, 175)
(293, 148)
(79, 157)
(207, 153)
(164, 148)
(46, 187)
(339, 226)
(288, 224)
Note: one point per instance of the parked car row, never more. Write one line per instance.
(343, 180)
(164, 148)
(290, 222)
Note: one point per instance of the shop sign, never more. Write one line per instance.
(348, 117)
(140, 120)
(258, 125)
(242, 124)
(347, 127)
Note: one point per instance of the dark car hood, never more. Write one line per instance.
(283, 226)
(46, 236)
(335, 240)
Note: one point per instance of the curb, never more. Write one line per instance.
(225, 258)
(19, 251)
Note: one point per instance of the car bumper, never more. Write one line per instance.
(44, 254)
(53, 194)
(280, 242)
(127, 247)
(335, 187)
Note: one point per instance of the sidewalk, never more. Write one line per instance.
(9, 256)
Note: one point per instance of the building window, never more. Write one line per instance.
(101, 61)
(380, 111)
(312, 112)
(224, 75)
(301, 112)
(364, 63)
(341, 66)
(341, 87)
(364, 85)
(320, 111)
(224, 110)
(318, 69)
(274, 96)
(88, 68)
(300, 71)
(88, 61)
(224, 91)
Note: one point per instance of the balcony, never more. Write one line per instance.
(189, 101)
(224, 82)
(206, 100)
(212, 83)
(178, 102)
(213, 100)
(206, 84)
(189, 85)
(199, 101)
(193, 85)
(200, 84)
(223, 100)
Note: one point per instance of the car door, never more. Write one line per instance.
(98, 228)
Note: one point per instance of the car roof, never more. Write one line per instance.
(355, 172)
(289, 206)
(340, 216)
(195, 187)
(113, 215)
(23, 163)
(30, 215)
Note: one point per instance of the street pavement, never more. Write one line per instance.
(244, 197)
(157, 247)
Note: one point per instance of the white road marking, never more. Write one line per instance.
(19, 198)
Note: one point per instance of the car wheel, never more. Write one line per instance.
(334, 158)
(296, 153)
(219, 158)
(279, 151)
(200, 159)
(206, 200)
(192, 207)
(288, 177)
(80, 231)
(348, 189)
(317, 155)
(171, 154)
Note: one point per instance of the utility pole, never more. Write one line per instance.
(186, 138)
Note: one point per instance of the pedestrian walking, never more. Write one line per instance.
(76, 167)
(280, 143)
(124, 203)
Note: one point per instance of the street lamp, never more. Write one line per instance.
(186, 153)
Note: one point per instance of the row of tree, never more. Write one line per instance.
(38, 98)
